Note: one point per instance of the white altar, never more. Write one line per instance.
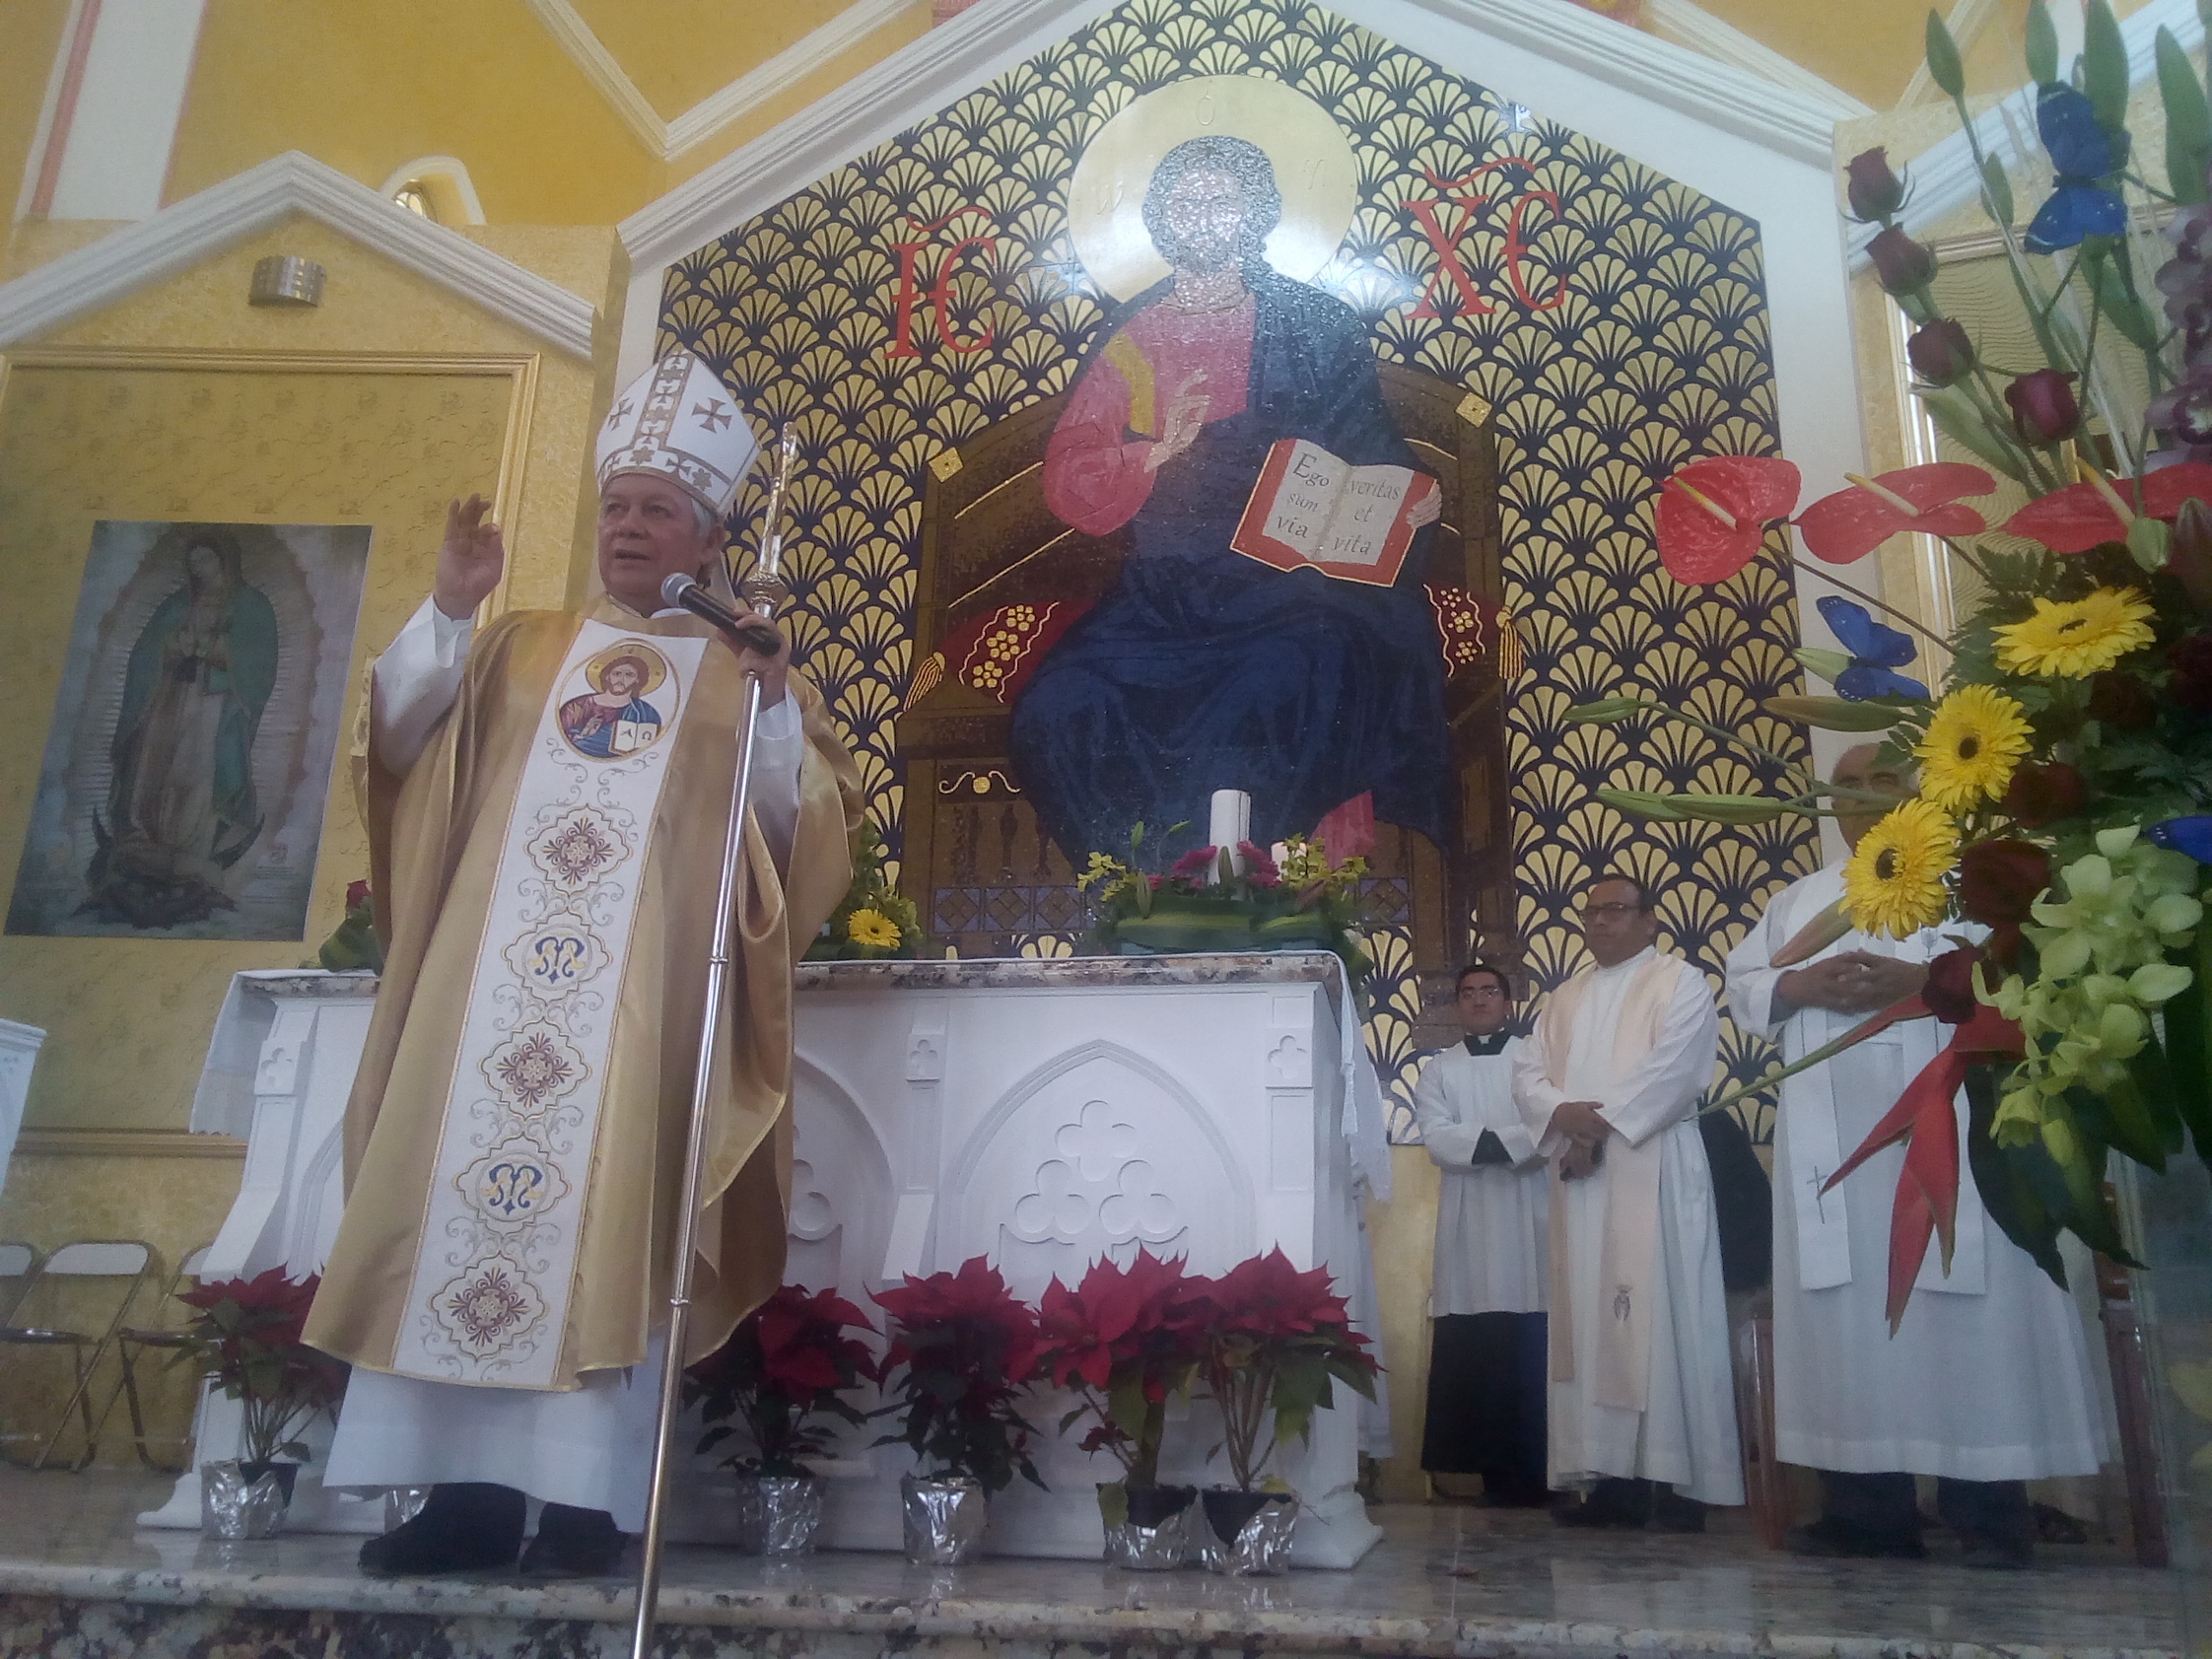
(1039, 1112)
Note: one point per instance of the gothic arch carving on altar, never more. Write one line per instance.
(1109, 1153)
(842, 1190)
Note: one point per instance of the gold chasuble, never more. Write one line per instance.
(545, 876)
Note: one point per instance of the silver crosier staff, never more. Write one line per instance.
(763, 591)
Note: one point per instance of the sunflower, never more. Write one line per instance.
(1894, 881)
(2076, 637)
(1974, 740)
(872, 927)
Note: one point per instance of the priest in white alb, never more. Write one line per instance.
(1486, 1356)
(1987, 1384)
(1641, 1414)
(548, 798)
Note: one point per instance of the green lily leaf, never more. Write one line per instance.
(1643, 805)
(1944, 65)
(1836, 714)
(2042, 44)
(1604, 711)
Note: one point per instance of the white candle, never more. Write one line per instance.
(1229, 822)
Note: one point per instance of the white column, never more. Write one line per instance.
(118, 123)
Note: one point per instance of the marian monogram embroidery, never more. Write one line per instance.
(488, 1297)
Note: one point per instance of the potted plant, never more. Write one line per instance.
(1124, 1340)
(872, 921)
(1279, 1340)
(963, 1346)
(246, 1339)
(1291, 899)
(788, 1367)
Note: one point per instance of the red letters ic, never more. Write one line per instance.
(939, 293)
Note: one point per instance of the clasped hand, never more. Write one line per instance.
(1852, 981)
(1583, 1123)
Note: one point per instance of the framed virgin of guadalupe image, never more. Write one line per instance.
(189, 757)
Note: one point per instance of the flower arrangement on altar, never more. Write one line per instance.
(1231, 898)
(791, 1364)
(872, 921)
(963, 1348)
(246, 1337)
(2064, 798)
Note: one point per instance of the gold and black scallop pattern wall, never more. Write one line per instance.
(1654, 351)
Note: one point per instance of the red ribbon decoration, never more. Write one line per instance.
(1927, 1202)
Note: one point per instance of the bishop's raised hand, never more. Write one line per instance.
(470, 560)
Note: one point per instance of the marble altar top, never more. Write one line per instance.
(1057, 973)
(311, 982)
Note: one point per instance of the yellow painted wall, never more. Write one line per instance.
(676, 52)
(30, 39)
(368, 88)
(128, 1021)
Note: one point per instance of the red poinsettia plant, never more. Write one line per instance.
(792, 1364)
(246, 1337)
(963, 1349)
(1278, 1341)
(1124, 1340)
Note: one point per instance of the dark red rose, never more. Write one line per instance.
(2121, 701)
(2188, 552)
(1875, 192)
(1901, 264)
(1999, 880)
(357, 894)
(2044, 794)
(2043, 406)
(1949, 991)
(2191, 662)
(1939, 352)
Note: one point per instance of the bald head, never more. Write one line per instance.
(1861, 767)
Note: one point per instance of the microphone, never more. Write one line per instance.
(750, 632)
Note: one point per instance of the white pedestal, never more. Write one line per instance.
(278, 1071)
(1041, 1113)
(19, 1046)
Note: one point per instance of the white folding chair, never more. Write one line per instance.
(19, 1264)
(123, 1263)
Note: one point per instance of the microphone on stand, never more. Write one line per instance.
(747, 630)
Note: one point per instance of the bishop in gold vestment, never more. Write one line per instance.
(516, 1135)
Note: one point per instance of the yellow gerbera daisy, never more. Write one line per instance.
(872, 927)
(1894, 882)
(2076, 637)
(1976, 738)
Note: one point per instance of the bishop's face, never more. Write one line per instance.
(648, 531)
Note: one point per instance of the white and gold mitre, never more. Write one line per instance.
(677, 422)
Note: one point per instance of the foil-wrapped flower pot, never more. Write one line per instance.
(1145, 1526)
(236, 1505)
(778, 1515)
(1246, 1533)
(944, 1516)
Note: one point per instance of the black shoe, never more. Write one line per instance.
(1611, 1503)
(1671, 1512)
(1992, 1554)
(463, 1527)
(1832, 1537)
(573, 1543)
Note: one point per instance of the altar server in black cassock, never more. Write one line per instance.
(1486, 1370)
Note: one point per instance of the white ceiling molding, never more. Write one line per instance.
(667, 140)
(1942, 176)
(186, 233)
(1692, 26)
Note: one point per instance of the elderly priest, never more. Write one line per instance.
(549, 797)
(1986, 1383)
(1643, 1404)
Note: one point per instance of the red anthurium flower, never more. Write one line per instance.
(1712, 513)
(2079, 517)
(1853, 523)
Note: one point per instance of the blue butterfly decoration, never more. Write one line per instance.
(1875, 650)
(2081, 152)
(2191, 834)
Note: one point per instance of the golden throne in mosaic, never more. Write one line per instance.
(982, 876)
